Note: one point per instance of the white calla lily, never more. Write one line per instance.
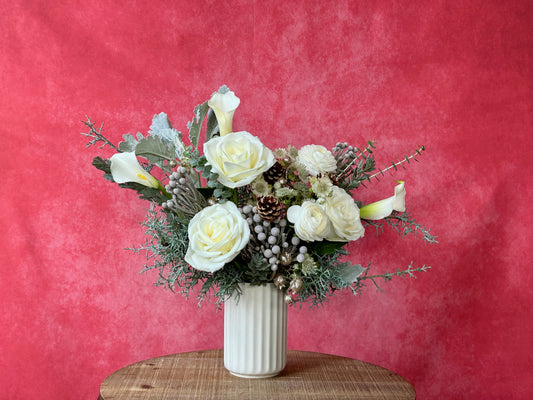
(224, 103)
(384, 208)
(126, 168)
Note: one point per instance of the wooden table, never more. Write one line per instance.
(201, 375)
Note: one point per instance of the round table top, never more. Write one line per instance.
(201, 375)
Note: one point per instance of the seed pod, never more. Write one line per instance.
(285, 259)
(297, 285)
(280, 281)
(288, 299)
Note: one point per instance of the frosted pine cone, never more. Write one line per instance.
(270, 208)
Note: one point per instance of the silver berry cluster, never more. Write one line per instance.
(185, 198)
(272, 239)
(344, 153)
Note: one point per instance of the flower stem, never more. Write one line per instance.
(163, 190)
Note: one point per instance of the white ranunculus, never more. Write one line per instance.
(217, 234)
(125, 168)
(316, 159)
(310, 221)
(238, 158)
(224, 103)
(344, 216)
(384, 208)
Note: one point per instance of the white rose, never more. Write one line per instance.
(316, 159)
(310, 221)
(224, 103)
(238, 158)
(217, 234)
(344, 216)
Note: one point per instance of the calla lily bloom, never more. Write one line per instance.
(384, 208)
(224, 103)
(126, 168)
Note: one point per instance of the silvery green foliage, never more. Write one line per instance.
(162, 129)
(162, 144)
(195, 126)
(350, 273)
(223, 89)
(130, 142)
(155, 151)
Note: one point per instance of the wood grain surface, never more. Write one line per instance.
(201, 375)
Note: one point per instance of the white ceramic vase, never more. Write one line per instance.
(255, 332)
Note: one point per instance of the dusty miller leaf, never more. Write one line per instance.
(154, 150)
(162, 128)
(130, 143)
(212, 125)
(196, 124)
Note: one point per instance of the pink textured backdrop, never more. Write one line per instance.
(455, 76)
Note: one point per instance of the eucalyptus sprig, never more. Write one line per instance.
(400, 163)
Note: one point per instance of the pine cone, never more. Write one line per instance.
(333, 178)
(270, 208)
(274, 174)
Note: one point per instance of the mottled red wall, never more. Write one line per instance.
(455, 76)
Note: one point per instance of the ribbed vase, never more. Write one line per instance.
(255, 332)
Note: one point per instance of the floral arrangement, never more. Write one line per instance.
(241, 212)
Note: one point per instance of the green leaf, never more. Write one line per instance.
(206, 192)
(212, 125)
(103, 165)
(130, 143)
(350, 273)
(154, 150)
(323, 248)
(196, 124)
(145, 192)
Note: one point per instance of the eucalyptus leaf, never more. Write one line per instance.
(212, 184)
(350, 273)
